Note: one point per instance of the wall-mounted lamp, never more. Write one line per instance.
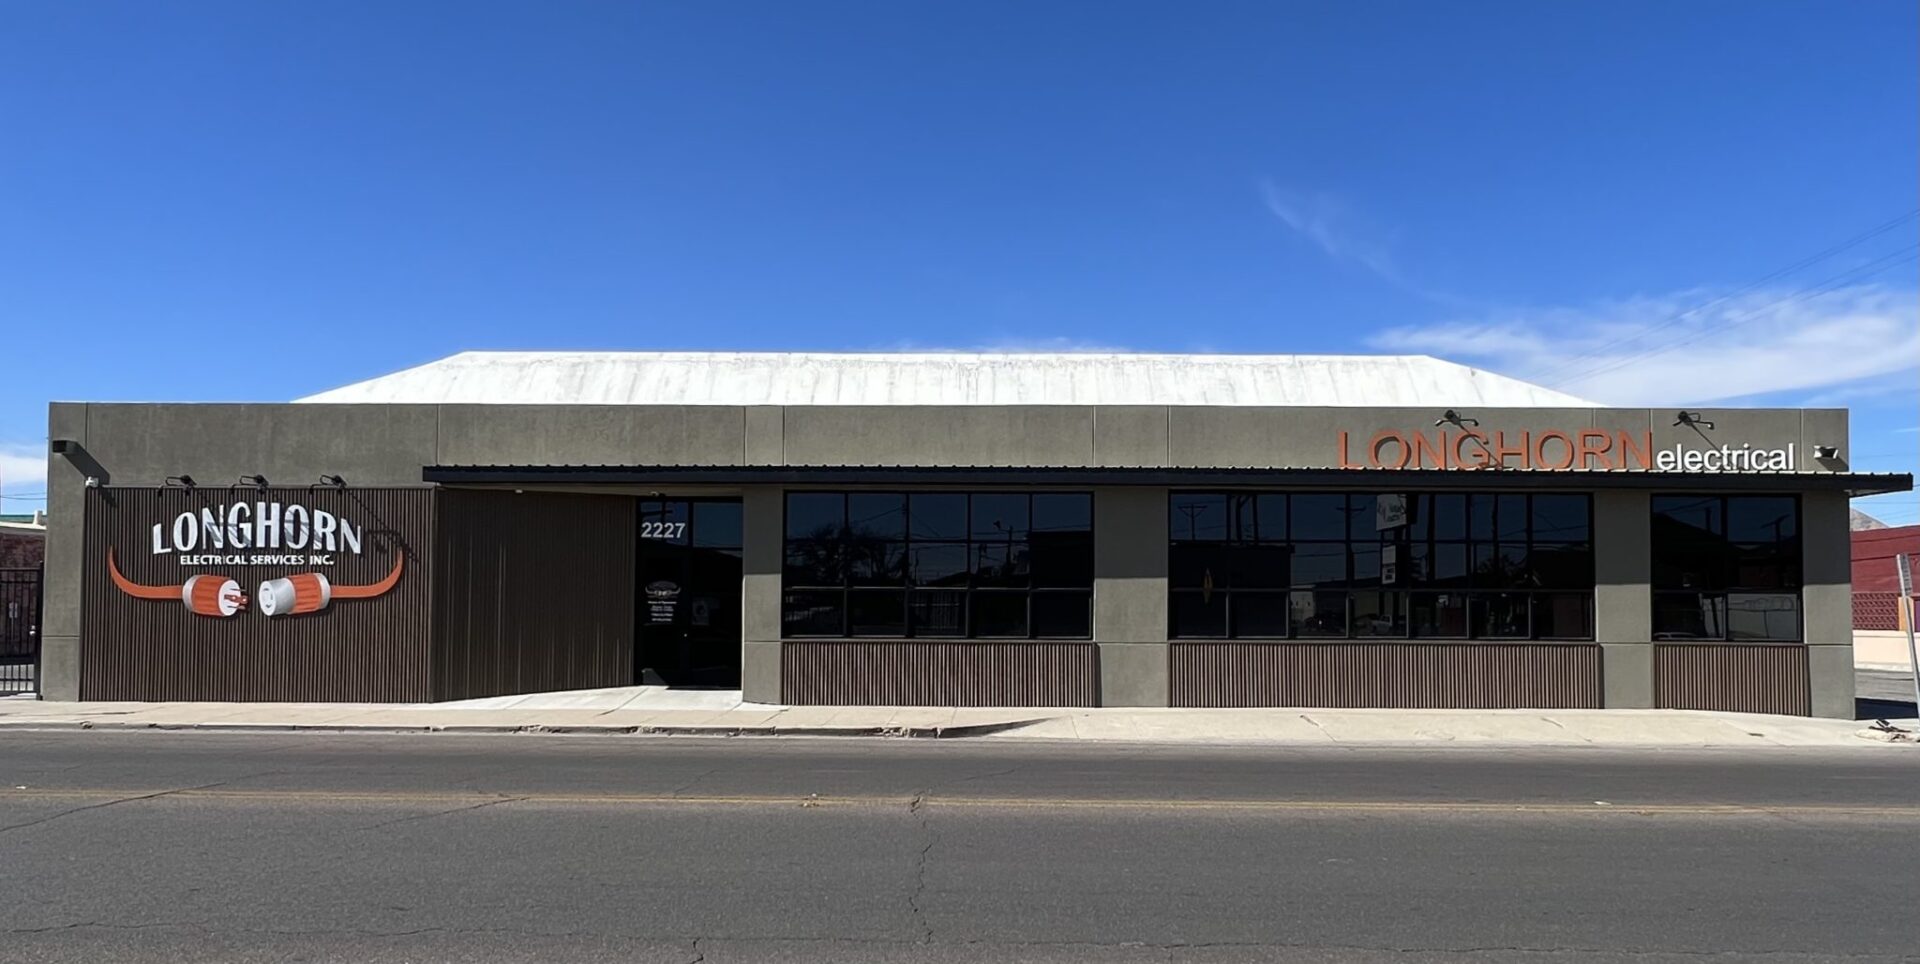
(257, 481)
(334, 480)
(1691, 418)
(184, 481)
(63, 446)
(1826, 451)
(1451, 417)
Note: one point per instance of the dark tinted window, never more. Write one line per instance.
(1198, 517)
(1562, 518)
(1319, 614)
(1259, 614)
(850, 559)
(877, 564)
(1389, 565)
(813, 613)
(1272, 513)
(938, 563)
(1062, 513)
(815, 562)
(938, 515)
(815, 515)
(716, 525)
(877, 516)
(999, 614)
(1318, 516)
(1199, 613)
(1726, 567)
(939, 612)
(1062, 614)
(877, 612)
(1000, 516)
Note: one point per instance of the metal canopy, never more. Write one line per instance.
(1853, 483)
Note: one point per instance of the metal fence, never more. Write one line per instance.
(19, 630)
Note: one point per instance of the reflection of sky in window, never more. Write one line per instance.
(1761, 519)
(815, 514)
(999, 516)
(941, 515)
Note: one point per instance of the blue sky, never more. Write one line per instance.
(210, 201)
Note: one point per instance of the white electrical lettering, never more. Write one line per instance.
(254, 525)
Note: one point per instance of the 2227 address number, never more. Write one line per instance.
(662, 530)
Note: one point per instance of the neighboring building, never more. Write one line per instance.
(1878, 636)
(23, 540)
(1859, 521)
(1873, 556)
(1135, 530)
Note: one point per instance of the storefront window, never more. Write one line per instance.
(1318, 565)
(1013, 565)
(1726, 567)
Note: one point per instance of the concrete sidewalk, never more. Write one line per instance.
(661, 711)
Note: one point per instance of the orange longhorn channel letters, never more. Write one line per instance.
(1587, 448)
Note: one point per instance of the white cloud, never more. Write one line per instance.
(1328, 223)
(23, 476)
(1336, 229)
(1693, 346)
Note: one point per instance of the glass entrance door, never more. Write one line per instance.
(688, 600)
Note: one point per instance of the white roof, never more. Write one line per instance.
(818, 378)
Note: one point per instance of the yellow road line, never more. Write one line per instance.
(984, 803)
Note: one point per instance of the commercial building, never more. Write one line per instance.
(1137, 530)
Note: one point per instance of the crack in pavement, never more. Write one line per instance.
(676, 791)
(915, 807)
(996, 773)
(117, 801)
(440, 813)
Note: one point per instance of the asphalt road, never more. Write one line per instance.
(134, 846)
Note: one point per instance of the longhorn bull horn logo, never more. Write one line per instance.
(220, 597)
(203, 594)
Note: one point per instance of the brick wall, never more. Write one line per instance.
(20, 550)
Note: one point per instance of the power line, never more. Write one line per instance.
(1852, 242)
(1823, 287)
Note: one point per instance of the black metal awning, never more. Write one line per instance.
(1852, 483)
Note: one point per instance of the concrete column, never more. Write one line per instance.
(60, 640)
(1622, 596)
(1130, 594)
(762, 515)
(1827, 601)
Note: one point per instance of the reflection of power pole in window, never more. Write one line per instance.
(1192, 511)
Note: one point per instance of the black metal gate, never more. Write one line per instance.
(19, 630)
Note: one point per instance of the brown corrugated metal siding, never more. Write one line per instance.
(354, 650)
(936, 673)
(1406, 675)
(536, 593)
(1732, 676)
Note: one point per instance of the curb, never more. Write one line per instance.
(583, 729)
